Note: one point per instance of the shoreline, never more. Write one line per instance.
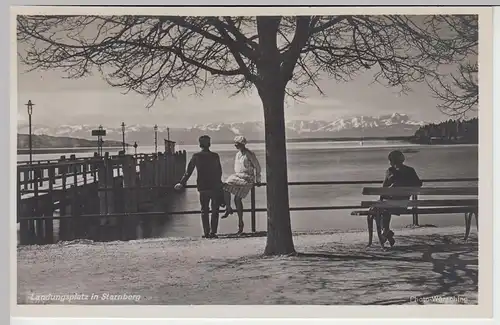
(61, 150)
(36, 151)
(329, 269)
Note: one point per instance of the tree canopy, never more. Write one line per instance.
(156, 55)
(458, 90)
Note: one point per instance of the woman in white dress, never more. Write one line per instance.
(246, 174)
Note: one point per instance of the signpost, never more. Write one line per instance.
(169, 146)
(135, 147)
(99, 133)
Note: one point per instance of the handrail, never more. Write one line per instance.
(253, 209)
(192, 186)
(430, 180)
(78, 159)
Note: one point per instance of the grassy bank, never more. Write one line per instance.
(332, 268)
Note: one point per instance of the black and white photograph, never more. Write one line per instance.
(248, 159)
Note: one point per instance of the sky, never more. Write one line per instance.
(92, 101)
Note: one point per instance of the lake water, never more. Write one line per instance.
(325, 161)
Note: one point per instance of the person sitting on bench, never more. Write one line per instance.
(397, 175)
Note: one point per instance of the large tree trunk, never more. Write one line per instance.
(271, 87)
(279, 230)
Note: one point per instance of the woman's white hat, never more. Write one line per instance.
(240, 139)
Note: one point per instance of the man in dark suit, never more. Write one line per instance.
(209, 184)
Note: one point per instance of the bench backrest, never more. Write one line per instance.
(471, 201)
(409, 191)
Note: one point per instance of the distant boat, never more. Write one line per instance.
(409, 151)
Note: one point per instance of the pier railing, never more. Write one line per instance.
(253, 209)
(88, 168)
(75, 189)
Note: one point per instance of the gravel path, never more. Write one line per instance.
(427, 265)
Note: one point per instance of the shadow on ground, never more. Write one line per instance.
(420, 270)
(426, 266)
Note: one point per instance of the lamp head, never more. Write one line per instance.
(30, 107)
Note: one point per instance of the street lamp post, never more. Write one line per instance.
(156, 138)
(30, 111)
(123, 136)
(99, 142)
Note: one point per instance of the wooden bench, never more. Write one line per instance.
(468, 206)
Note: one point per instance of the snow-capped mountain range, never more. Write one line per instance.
(359, 126)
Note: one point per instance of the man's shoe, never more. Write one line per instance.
(390, 237)
(213, 236)
(391, 241)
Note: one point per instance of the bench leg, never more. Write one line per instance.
(468, 221)
(369, 220)
(378, 223)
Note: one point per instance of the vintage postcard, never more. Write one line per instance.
(237, 162)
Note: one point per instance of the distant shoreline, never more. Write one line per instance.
(35, 151)
(25, 151)
(305, 140)
(408, 139)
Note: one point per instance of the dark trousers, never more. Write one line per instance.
(209, 200)
(386, 222)
(386, 216)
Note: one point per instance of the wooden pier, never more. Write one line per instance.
(97, 198)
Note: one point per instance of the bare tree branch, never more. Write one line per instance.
(156, 55)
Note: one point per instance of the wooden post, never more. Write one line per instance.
(181, 161)
(62, 169)
(184, 161)
(130, 198)
(175, 166)
(40, 175)
(31, 223)
(172, 176)
(147, 173)
(84, 167)
(252, 207)
(52, 176)
(75, 213)
(415, 214)
(105, 177)
(166, 162)
(172, 169)
(141, 181)
(92, 207)
(24, 229)
(49, 208)
(39, 237)
(26, 178)
(161, 171)
(94, 166)
(74, 206)
(157, 173)
(74, 170)
(63, 222)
